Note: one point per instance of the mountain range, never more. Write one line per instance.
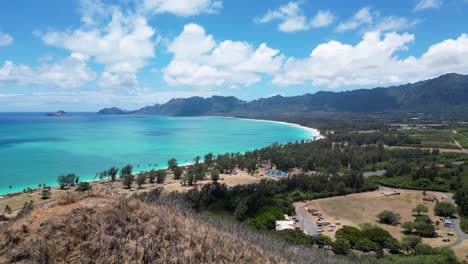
(447, 93)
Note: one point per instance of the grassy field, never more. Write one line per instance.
(358, 209)
(432, 138)
(461, 136)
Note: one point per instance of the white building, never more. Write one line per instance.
(284, 224)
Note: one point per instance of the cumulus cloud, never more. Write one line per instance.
(373, 61)
(393, 23)
(362, 17)
(123, 45)
(183, 8)
(70, 72)
(5, 39)
(201, 61)
(427, 4)
(371, 21)
(293, 19)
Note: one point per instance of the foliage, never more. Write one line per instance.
(178, 171)
(67, 180)
(172, 164)
(408, 243)
(160, 176)
(112, 173)
(295, 236)
(444, 209)
(83, 187)
(461, 197)
(7, 209)
(45, 194)
(126, 171)
(214, 175)
(128, 180)
(322, 241)
(140, 180)
(341, 247)
(420, 208)
(388, 217)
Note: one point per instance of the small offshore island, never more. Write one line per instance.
(58, 113)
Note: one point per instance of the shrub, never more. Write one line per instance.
(341, 247)
(408, 243)
(420, 208)
(295, 236)
(322, 241)
(83, 187)
(388, 217)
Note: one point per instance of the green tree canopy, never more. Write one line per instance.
(444, 209)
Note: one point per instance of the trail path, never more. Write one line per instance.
(458, 143)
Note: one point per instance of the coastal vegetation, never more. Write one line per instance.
(341, 164)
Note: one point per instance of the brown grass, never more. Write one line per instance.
(462, 250)
(93, 228)
(357, 209)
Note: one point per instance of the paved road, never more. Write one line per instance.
(460, 235)
(305, 221)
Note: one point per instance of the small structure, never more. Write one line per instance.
(274, 173)
(284, 224)
(429, 198)
(392, 193)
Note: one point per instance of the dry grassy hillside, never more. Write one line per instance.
(100, 229)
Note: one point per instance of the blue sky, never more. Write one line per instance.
(83, 55)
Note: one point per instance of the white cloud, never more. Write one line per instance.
(371, 21)
(183, 8)
(392, 23)
(373, 61)
(362, 17)
(123, 45)
(5, 39)
(76, 100)
(71, 72)
(293, 19)
(200, 61)
(322, 19)
(427, 4)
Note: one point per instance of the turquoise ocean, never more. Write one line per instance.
(35, 148)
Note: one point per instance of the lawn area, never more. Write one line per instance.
(462, 139)
(432, 138)
(362, 208)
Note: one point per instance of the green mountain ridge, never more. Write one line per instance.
(447, 93)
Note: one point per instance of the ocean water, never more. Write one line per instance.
(35, 148)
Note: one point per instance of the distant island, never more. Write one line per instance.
(444, 94)
(59, 113)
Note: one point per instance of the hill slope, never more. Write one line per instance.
(447, 93)
(103, 229)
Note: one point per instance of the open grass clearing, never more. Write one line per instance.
(362, 208)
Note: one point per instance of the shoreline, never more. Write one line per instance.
(313, 133)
